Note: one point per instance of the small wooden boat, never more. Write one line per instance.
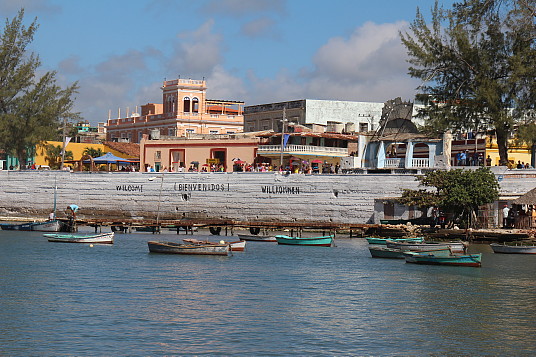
(468, 260)
(256, 238)
(513, 248)
(384, 252)
(46, 226)
(190, 249)
(236, 246)
(101, 238)
(325, 241)
(382, 241)
(455, 247)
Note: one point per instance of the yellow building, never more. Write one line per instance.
(515, 153)
(118, 149)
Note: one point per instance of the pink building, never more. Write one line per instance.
(185, 110)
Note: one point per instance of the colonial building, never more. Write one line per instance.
(185, 110)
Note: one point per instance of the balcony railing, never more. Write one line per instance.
(394, 163)
(302, 149)
(420, 163)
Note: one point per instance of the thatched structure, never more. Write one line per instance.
(528, 198)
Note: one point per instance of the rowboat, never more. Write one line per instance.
(382, 241)
(256, 238)
(102, 238)
(513, 249)
(384, 252)
(325, 241)
(47, 226)
(192, 249)
(455, 247)
(236, 246)
(468, 260)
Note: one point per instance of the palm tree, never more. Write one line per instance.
(93, 152)
(53, 155)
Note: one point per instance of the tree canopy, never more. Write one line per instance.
(459, 192)
(31, 107)
(477, 64)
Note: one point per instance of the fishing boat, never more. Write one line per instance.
(513, 248)
(325, 241)
(379, 251)
(236, 246)
(46, 226)
(256, 238)
(101, 238)
(382, 241)
(191, 249)
(468, 260)
(455, 247)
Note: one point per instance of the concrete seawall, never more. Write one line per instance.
(347, 199)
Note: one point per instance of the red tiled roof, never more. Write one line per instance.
(130, 149)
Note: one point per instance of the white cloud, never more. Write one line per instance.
(196, 53)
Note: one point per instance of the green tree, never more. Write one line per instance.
(31, 108)
(477, 64)
(459, 192)
(53, 155)
(93, 152)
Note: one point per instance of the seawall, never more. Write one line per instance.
(347, 199)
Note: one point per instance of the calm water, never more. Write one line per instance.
(73, 299)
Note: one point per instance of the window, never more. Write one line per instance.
(230, 132)
(190, 130)
(214, 131)
(363, 127)
(186, 104)
(158, 155)
(195, 105)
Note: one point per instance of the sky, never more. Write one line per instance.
(255, 51)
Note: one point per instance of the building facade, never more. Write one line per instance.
(184, 110)
(336, 116)
(220, 153)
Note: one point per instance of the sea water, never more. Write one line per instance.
(61, 299)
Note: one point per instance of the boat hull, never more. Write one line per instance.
(468, 260)
(325, 241)
(47, 226)
(104, 238)
(455, 247)
(513, 249)
(255, 238)
(380, 251)
(188, 249)
(383, 241)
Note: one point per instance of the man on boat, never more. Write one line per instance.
(71, 215)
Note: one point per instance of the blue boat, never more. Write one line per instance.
(467, 260)
(382, 241)
(325, 241)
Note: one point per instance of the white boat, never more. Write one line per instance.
(101, 238)
(455, 247)
(257, 238)
(190, 249)
(513, 249)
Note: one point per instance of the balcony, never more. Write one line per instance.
(304, 150)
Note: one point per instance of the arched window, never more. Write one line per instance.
(195, 105)
(170, 105)
(186, 104)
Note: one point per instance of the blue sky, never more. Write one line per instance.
(256, 51)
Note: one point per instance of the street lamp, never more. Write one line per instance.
(159, 198)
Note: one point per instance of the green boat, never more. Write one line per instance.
(467, 260)
(378, 251)
(382, 241)
(325, 241)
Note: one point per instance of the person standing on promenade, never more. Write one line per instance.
(506, 211)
